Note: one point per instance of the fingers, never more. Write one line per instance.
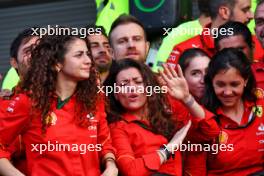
(180, 71)
(167, 71)
(173, 72)
(165, 78)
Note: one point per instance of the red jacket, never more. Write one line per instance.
(137, 147)
(205, 42)
(258, 70)
(70, 149)
(248, 147)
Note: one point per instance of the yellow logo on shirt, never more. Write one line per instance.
(259, 93)
(258, 111)
(223, 137)
(51, 119)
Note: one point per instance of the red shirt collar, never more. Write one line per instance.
(227, 122)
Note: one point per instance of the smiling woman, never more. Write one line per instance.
(229, 93)
(57, 103)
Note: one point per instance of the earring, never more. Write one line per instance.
(58, 69)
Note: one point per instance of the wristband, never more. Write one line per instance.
(108, 159)
(189, 102)
(166, 152)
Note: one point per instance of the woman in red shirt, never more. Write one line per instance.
(230, 86)
(58, 113)
(142, 121)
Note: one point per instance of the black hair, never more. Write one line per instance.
(187, 56)
(22, 37)
(214, 6)
(203, 6)
(224, 60)
(238, 28)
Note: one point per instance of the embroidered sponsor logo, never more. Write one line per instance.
(259, 93)
(223, 137)
(260, 130)
(9, 109)
(12, 105)
(258, 111)
(51, 119)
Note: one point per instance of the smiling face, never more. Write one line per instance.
(77, 61)
(194, 75)
(128, 41)
(229, 86)
(135, 100)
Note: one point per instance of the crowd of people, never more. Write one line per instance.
(208, 120)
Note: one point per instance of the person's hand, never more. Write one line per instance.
(111, 169)
(178, 138)
(176, 83)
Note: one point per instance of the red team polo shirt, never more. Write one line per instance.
(248, 144)
(203, 41)
(258, 70)
(75, 151)
(137, 147)
(206, 43)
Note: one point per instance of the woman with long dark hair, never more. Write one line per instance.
(58, 113)
(142, 123)
(229, 93)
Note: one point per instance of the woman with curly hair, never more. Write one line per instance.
(142, 122)
(58, 113)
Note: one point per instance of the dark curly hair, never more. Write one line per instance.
(40, 81)
(159, 114)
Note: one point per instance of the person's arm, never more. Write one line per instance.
(7, 169)
(203, 120)
(14, 117)
(129, 163)
(178, 88)
(110, 165)
(107, 154)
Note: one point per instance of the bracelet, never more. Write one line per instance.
(189, 102)
(163, 155)
(108, 159)
(166, 152)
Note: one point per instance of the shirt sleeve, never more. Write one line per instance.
(14, 117)
(127, 162)
(202, 130)
(205, 129)
(174, 56)
(104, 137)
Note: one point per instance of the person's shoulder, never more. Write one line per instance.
(193, 42)
(17, 102)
